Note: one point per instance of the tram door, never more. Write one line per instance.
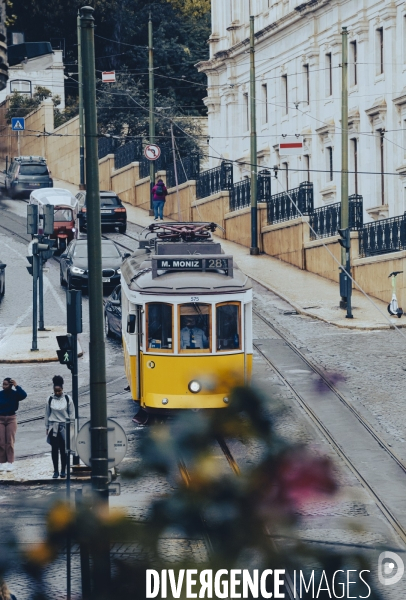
(134, 327)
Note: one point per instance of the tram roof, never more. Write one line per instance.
(139, 278)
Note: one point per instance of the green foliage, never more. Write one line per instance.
(181, 31)
(21, 105)
(123, 110)
(70, 111)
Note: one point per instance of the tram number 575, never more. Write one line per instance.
(194, 299)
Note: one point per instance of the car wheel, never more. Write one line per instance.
(61, 279)
(107, 329)
(3, 291)
(123, 228)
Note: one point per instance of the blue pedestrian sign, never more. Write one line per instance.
(18, 123)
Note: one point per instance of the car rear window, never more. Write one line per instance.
(109, 201)
(63, 214)
(33, 170)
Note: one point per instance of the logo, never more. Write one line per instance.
(390, 568)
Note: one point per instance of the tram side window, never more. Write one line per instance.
(160, 319)
(228, 327)
(194, 320)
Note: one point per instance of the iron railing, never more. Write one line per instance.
(188, 168)
(281, 208)
(326, 220)
(381, 237)
(215, 180)
(105, 146)
(128, 153)
(240, 196)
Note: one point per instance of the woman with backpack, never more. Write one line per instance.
(159, 192)
(58, 409)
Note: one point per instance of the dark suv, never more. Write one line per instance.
(27, 173)
(112, 211)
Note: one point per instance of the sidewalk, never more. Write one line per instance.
(15, 347)
(307, 293)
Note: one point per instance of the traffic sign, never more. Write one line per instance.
(18, 123)
(291, 145)
(108, 76)
(152, 152)
(116, 443)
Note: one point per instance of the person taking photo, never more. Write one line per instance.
(9, 402)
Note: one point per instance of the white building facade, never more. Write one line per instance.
(25, 82)
(298, 89)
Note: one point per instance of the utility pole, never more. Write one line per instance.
(98, 399)
(254, 168)
(81, 123)
(97, 350)
(345, 281)
(175, 170)
(151, 105)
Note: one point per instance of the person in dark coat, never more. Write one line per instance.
(9, 400)
(159, 193)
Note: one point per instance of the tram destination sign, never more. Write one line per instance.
(192, 263)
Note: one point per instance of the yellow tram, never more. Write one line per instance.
(186, 319)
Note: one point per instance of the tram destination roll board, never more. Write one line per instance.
(192, 263)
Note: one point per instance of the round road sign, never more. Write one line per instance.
(116, 443)
(152, 152)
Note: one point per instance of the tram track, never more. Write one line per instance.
(374, 443)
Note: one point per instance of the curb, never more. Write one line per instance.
(42, 481)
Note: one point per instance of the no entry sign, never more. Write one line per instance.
(291, 145)
(108, 76)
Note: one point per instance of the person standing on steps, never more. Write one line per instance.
(9, 400)
(58, 408)
(159, 193)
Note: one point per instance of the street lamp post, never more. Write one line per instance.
(254, 168)
(97, 352)
(151, 105)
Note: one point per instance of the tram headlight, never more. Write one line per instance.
(195, 387)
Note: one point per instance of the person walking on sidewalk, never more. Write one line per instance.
(9, 400)
(59, 407)
(159, 193)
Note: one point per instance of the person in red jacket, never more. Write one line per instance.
(159, 193)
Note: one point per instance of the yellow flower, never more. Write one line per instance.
(41, 555)
(60, 517)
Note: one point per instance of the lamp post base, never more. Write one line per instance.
(254, 251)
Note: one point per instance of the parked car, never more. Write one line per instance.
(112, 314)
(27, 173)
(74, 265)
(2, 279)
(112, 211)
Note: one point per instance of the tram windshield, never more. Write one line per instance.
(159, 327)
(228, 327)
(195, 331)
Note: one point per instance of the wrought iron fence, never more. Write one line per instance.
(215, 180)
(128, 153)
(240, 196)
(381, 237)
(188, 168)
(326, 220)
(281, 208)
(106, 145)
